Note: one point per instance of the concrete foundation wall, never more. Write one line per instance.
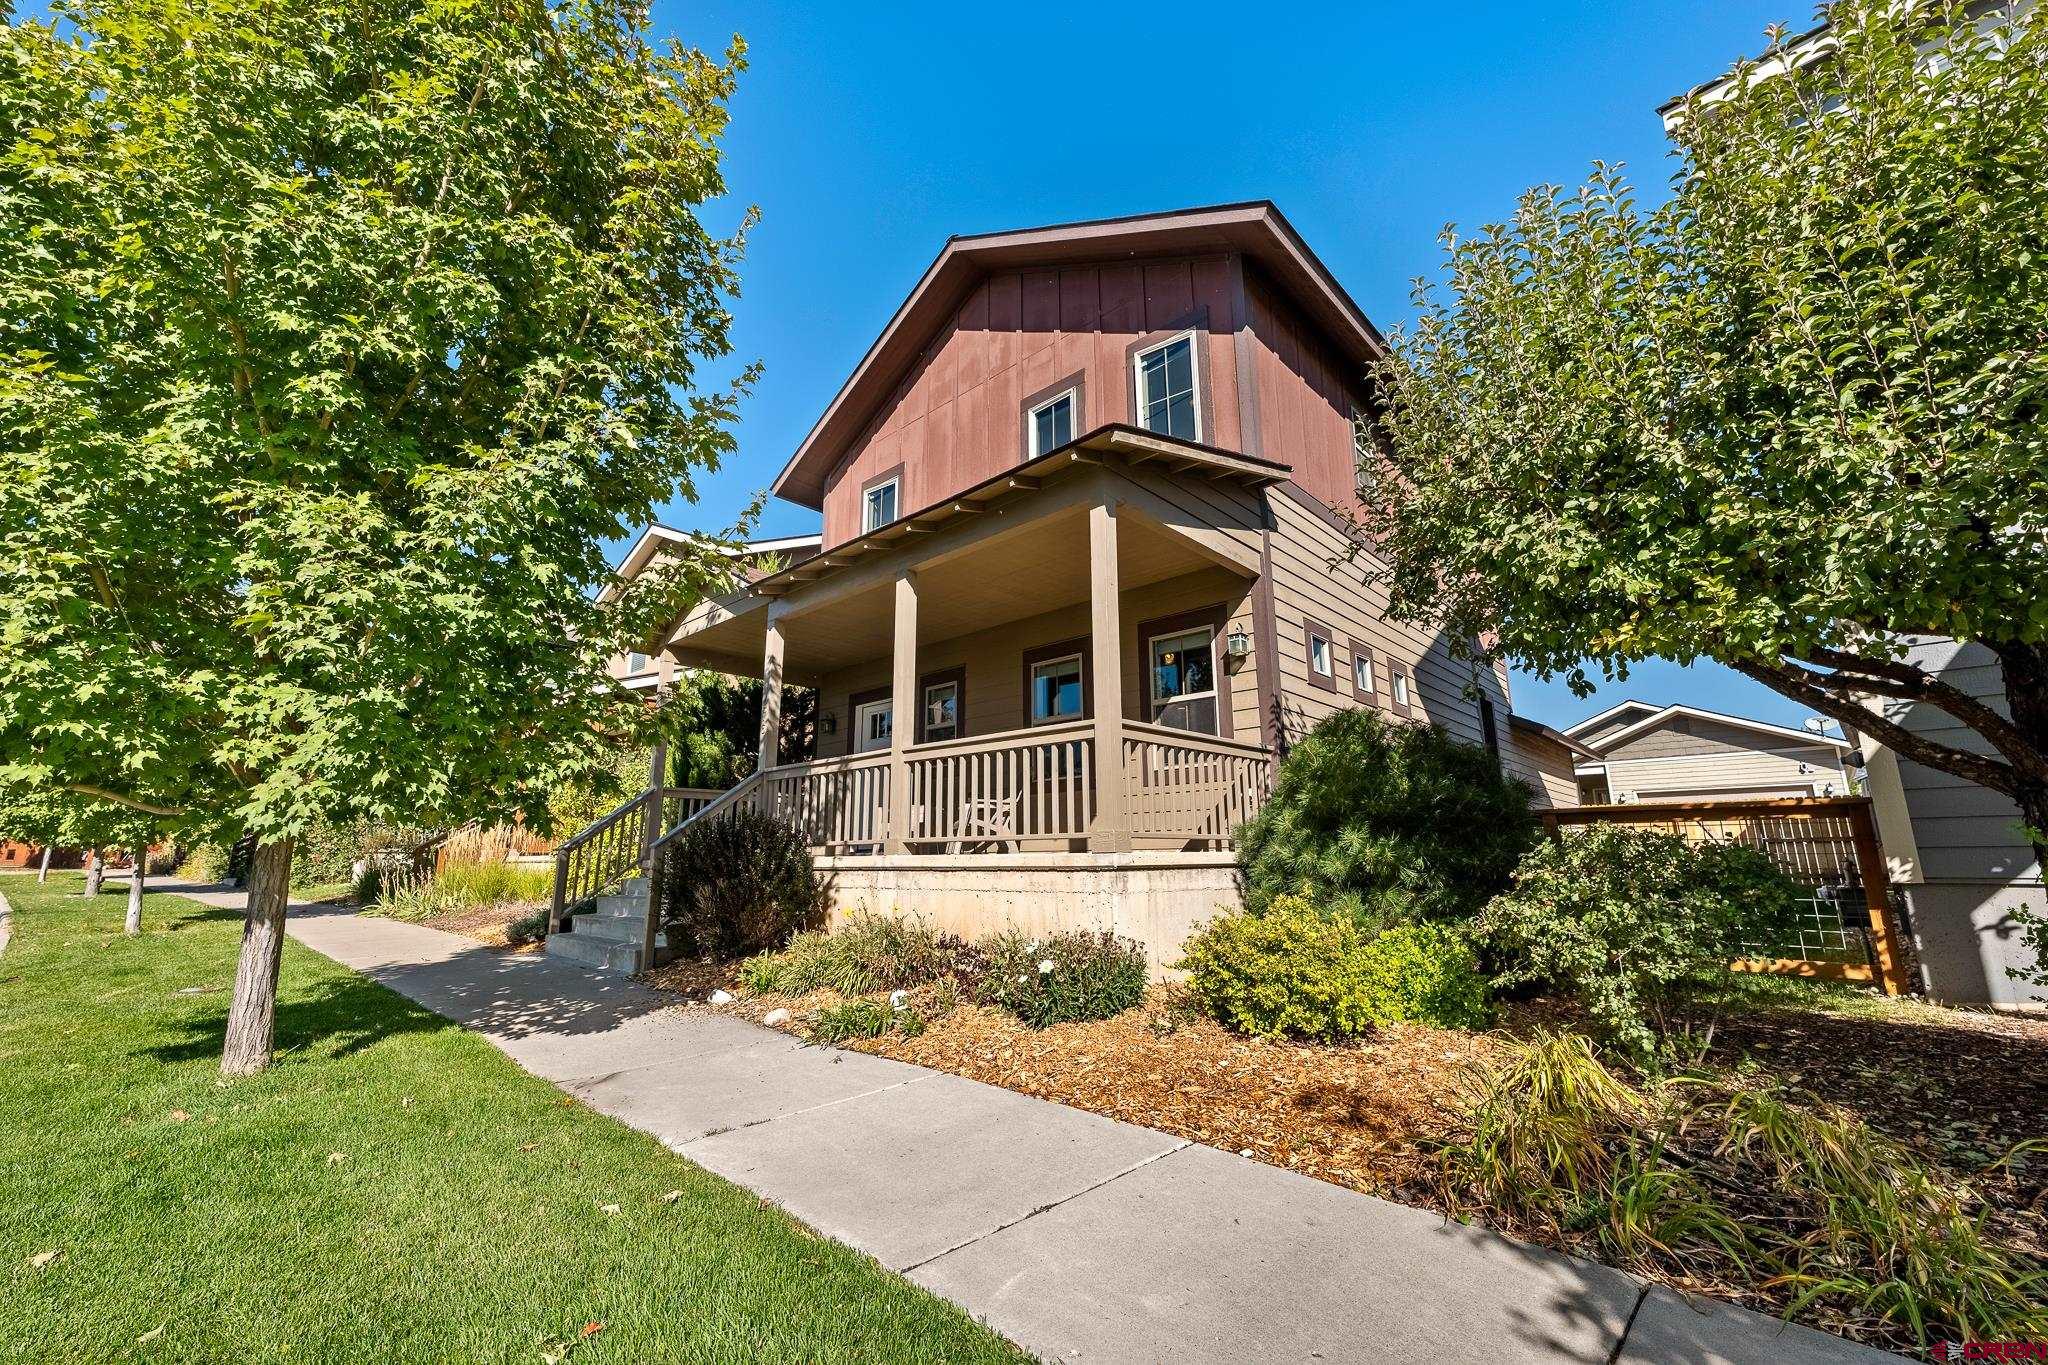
(1159, 899)
(1966, 939)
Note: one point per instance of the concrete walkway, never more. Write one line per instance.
(1076, 1236)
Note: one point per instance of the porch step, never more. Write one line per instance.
(589, 951)
(611, 928)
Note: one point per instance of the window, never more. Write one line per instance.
(1322, 655)
(941, 711)
(1399, 684)
(1363, 682)
(873, 726)
(1168, 401)
(1183, 666)
(878, 504)
(1052, 424)
(1056, 690)
(1488, 727)
(636, 664)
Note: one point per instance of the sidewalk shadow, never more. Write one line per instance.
(513, 996)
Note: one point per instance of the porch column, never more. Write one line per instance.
(771, 695)
(903, 705)
(651, 827)
(1111, 832)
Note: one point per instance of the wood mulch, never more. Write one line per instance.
(485, 924)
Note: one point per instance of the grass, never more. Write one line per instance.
(394, 1189)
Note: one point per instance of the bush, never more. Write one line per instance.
(494, 883)
(1294, 972)
(1620, 919)
(864, 1019)
(1062, 979)
(740, 882)
(867, 953)
(1386, 822)
(528, 928)
(1797, 1202)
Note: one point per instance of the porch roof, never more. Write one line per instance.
(837, 608)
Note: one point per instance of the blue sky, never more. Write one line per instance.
(867, 134)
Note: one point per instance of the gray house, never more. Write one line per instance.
(1642, 752)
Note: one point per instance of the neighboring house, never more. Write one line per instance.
(1648, 753)
(1088, 564)
(643, 671)
(1957, 851)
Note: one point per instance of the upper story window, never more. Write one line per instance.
(1052, 424)
(636, 664)
(1168, 399)
(878, 504)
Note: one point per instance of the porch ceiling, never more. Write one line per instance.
(990, 584)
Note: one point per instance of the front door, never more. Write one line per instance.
(1183, 679)
(873, 726)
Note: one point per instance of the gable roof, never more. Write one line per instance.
(1607, 743)
(1593, 722)
(1254, 229)
(643, 550)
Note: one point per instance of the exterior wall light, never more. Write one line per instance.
(829, 723)
(1238, 643)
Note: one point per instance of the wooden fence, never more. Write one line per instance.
(1848, 929)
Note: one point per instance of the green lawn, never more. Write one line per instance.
(393, 1189)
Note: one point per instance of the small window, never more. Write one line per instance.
(1052, 424)
(873, 726)
(942, 711)
(1183, 666)
(636, 664)
(1362, 680)
(1056, 690)
(1319, 656)
(1168, 400)
(878, 505)
(1488, 727)
(1400, 689)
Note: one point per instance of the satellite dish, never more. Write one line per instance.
(1817, 724)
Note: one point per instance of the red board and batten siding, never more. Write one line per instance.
(1307, 393)
(958, 418)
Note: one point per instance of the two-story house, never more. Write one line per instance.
(1087, 565)
(1642, 752)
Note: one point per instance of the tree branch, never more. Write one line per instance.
(1911, 683)
(101, 793)
(1798, 683)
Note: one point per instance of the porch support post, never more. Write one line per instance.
(1111, 830)
(654, 822)
(771, 695)
(902, 711)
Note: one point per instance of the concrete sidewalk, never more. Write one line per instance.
(1076, 1236)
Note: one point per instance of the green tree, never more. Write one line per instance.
(336, 341)
(1791, 420)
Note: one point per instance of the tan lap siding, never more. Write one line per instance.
(1313, 580)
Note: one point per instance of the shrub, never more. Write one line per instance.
(1386, 822)
(868, 952)
(1062, 979)
(1294, 972)
(1799, 1203)
(528, 928)
(1620, 918)
(740, 882)
(864, 1019)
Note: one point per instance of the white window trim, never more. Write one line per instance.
(860, 729)
(1400, 690)
(1371, 685)
(925, 712)
(1152, 669)
(1194, 373)
(1031, 702)
(1073, 397)
(867, 504)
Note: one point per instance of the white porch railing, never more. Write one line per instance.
(1197, 787)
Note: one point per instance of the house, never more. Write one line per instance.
(1649, 753)
(642, 672)
(1088, 563)
(1959, 854)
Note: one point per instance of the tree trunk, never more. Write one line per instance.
(252, 1018)
(43, 872)
(134, 924)
(94, 870)
(2025, 673)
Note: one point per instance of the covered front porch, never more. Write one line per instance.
(1066, 669)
